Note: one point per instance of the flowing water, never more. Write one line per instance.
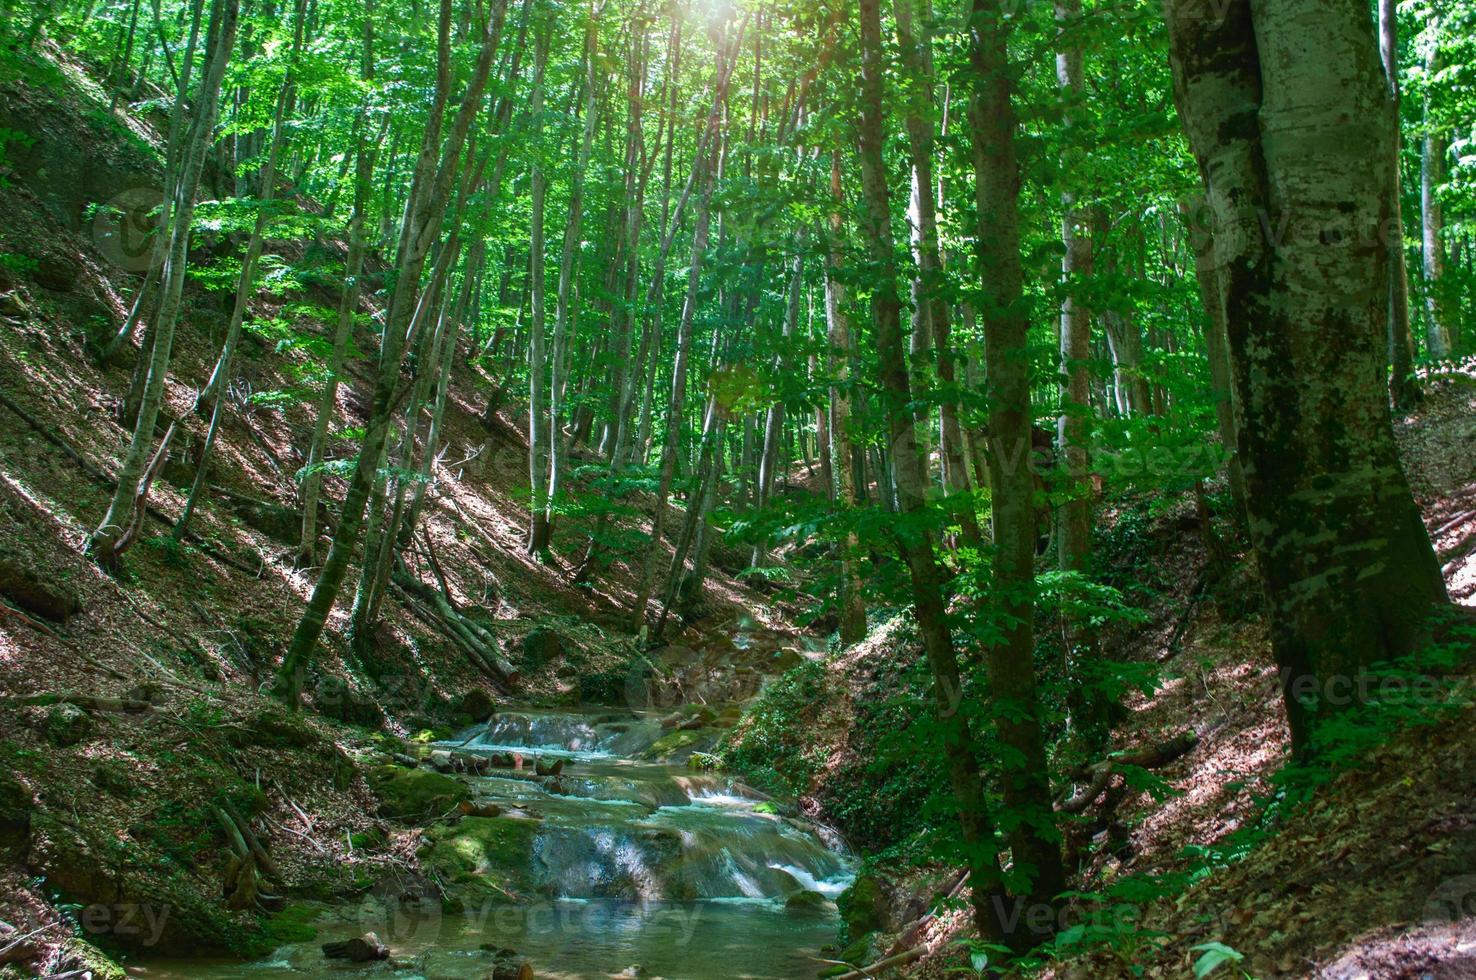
(641, 869)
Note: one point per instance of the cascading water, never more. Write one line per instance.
(683, 836)
(637, 868)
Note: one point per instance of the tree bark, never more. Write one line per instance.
(430, 189)
(1432, 220)
(1034, 842)
(1298, 144)
(914, 542)
(1404, 388)
(120, 516)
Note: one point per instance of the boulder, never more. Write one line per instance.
(343, 703)
(57, 272)
(35, 593)
(483, 857)
(808, 903)
(476, 705)
(541, 646)
(864, 907)
(66, 724)
(14, 305)
(415, 794)
(361, 949)
(15, 812)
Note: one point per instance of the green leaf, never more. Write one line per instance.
(1212, 957)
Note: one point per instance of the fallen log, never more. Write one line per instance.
(1098, 775)
(469, 636)
(362, 949)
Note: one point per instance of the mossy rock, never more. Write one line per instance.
(15, 812)
(681, 743)
(861, 952)
(336, 700)
(410, 794)
(807, 903)
(864, 907)
(367, 840)
(474, 706)
(66, 724)
(80, 955)
(114, 777)
(294, 924)
(541, 646)
(490, 856)
(276, 728)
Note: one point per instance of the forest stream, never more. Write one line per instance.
(640, 869)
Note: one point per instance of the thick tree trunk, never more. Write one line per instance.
(1297, 139)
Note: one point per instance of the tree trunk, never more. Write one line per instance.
(429, 191)
(1296, 138)
(539, 431)
(214, 390)
(1404, 388)
(220, 40)
(844, 458)
(1432, 175)
(1011, 656)
(915, 544)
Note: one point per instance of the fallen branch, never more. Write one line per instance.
(469, 636)
(901, 959)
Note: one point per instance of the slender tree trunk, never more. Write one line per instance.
(214, 390)
(221, 35)
(1432, 175)
(1404, 388)
(1011, 656)
(916, 545)
(430, 189)
(348, 305)
(844, 459)
(539, 431)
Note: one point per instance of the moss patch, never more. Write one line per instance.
(415, 793)
(491, 856)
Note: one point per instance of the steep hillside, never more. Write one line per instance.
(111, 682)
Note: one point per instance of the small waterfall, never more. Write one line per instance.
(613, 828)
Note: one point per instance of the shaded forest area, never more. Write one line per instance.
(720, 488)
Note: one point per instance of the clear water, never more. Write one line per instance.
(682, 874)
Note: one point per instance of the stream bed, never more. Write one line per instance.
(636, 868)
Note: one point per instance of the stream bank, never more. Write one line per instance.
(583, 841)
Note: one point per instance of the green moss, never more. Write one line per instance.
(415, 793)
(488, 855)
(294, 924)
(78, 954)
(863, 907)
(674, 742)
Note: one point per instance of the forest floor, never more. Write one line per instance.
(1375, 876)
(130, 721)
